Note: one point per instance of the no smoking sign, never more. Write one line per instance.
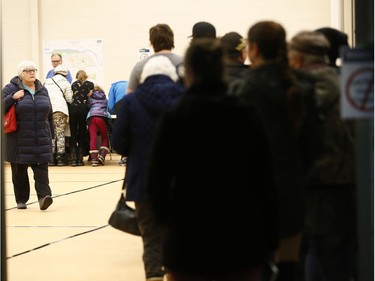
(357, 83)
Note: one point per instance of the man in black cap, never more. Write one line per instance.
(234, 46)
(203, 29)
(336, 39)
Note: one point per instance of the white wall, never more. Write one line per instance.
(123, 25)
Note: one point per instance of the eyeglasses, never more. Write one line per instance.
(28, 71)
(56, 61)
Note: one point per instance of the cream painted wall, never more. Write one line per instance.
(123, 25)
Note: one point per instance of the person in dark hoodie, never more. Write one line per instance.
(210, 179)
(132, 134)
(285, 98)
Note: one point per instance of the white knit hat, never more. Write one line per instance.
(61, 69)
(159, 65)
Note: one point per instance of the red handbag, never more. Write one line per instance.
(10, 120)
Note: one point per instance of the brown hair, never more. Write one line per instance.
(205, 60)
(161, 37)
(271, 40)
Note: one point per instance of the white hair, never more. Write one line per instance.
(159, 65)
(24, 65)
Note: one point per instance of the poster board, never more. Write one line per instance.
(77, 55)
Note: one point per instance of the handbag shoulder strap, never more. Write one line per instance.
(58, 86)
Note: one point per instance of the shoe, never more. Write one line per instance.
(21, 206)
(155, 279)
(45, 202)
(122, 162)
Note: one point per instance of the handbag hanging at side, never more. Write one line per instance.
(124, 217)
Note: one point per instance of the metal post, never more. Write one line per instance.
(3, 267)
(364, 36)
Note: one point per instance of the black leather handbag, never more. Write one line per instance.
(123, 217)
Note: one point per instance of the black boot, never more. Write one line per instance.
(80, 157)
(102, 153)
(60, 159)
(73, 156)
(53, 163)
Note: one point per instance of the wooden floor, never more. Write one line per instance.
(71, 240)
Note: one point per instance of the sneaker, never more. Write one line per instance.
(21, 206)
(45, 202)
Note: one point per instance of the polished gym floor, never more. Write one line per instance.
(71, 240)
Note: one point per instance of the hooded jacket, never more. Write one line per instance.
(31, 143)
(60, 93)
(98, 105)
(134, 128)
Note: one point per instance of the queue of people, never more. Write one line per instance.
(220, 156)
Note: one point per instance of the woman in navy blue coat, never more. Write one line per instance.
(31, 144)
(132, 135)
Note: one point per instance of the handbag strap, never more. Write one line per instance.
(58, 86)
(124, 183)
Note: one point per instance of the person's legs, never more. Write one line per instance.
(152, 237)
(336, 255)
(312, 266)
(41, 179)
(82, 128)
(93, 129)
(42, 187)
(60, 120)
(102, 126)
(21, 184)
(332, 220)
(73, 124)
(94, 152)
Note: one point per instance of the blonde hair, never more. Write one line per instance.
(25, 65)
(81, 75)
(98, 88)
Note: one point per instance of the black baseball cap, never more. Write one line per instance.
(203, 29)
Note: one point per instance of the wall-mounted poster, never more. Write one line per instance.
(77, 54)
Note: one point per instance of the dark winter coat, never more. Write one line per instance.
(134, 128)
(264, 88)
(32, 142)
(210, 182)
(334, 163)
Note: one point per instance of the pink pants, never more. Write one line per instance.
(98, 124)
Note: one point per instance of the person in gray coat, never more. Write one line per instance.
(31, 144)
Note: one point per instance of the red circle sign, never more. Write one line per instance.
(359, 89)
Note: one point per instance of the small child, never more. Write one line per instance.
(97, 121)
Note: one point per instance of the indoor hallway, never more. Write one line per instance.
(72, 239)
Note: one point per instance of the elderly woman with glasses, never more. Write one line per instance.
(31, 144)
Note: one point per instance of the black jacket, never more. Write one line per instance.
(264, 88)
(211, 184)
